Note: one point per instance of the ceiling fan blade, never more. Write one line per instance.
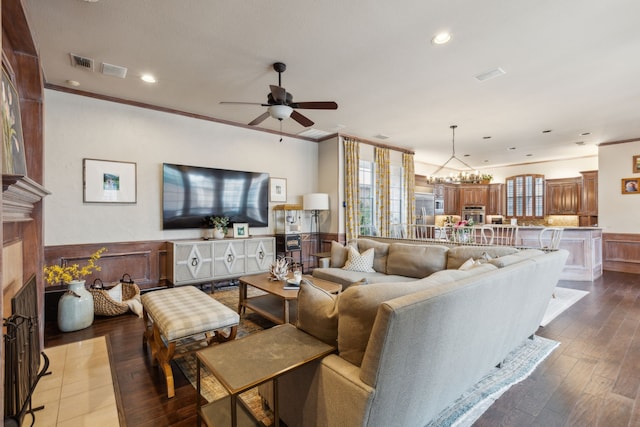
(243, 103)
(328, 105)
(279, 94)
(259, 119)
(304, 121)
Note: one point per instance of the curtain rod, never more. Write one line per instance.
(378, 144)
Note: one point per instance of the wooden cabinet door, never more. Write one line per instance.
(562, 196)
(190, 262)
(474, 195)
(589, 205)
(451, 199)
(495, 206)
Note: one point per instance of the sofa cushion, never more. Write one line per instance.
(346, 277)
(362, 262)
(338, 254)
(318, 312)
(416, 260)
(459, 254)
(381, 252)
(446, 276)
(506, 260)
(357, 310)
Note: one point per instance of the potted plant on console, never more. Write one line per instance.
(75, 308)
(218, 226)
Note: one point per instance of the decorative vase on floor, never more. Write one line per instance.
(75, 308)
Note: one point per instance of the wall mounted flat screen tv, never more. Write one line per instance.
(191, 193)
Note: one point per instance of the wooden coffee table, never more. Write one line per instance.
(278, 304)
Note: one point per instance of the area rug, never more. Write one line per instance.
(517, 366)
(564, 298)
(468, 408)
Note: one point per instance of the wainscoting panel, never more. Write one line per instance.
(622, 252)
(145, 262)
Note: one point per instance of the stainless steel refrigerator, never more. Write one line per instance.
(425, 208)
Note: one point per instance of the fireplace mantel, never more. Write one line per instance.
(19, 195)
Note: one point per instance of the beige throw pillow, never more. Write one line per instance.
(318, 312)
(360, 262)
(338, 254)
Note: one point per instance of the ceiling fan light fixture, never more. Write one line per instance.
(280, 112)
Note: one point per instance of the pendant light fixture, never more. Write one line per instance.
(453, 152)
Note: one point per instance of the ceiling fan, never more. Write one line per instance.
(281, 105)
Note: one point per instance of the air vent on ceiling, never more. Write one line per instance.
(491, 74)
(313, 133)
(114, 70)
(78, 61)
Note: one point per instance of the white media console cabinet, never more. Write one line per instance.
(201, 261)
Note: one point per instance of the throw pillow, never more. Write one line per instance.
(116, 292)
(318, 312)
(360, 262)
(338, 255)
(468, 264)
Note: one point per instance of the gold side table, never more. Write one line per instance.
(250, 361)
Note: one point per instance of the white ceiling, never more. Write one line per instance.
(572, 66)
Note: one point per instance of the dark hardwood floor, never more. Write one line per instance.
(592, 379)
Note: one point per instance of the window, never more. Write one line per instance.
(525, 196)
(367, 194)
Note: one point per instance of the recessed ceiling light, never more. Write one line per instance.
(467, 155)
(148, 78)
(491, 74)
(511, 148)
(585, 133)
(529, 155)
(441, 38)
(381, 136)
(580, 143)
(546, 131)
(486, 137)
(73, 83)
(486, 161)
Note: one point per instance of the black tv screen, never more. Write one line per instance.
(191, 193)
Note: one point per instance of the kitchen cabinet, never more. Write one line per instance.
(451, 195)
(496, 199)
(589, 199)
(563, 196)
(474, 195)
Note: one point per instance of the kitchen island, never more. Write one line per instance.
(584, 245)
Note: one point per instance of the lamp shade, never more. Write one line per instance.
(315, 202)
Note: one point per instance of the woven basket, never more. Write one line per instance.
(104, 305)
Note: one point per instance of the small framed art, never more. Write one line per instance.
(630, 185)
(278, 189)
(240, 230)
(636, 164)
(107, 181)
(14, 161)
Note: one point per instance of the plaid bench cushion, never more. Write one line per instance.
(185, 311)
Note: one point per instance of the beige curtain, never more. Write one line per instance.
(383, 189)
(352, 188)
(409, 179)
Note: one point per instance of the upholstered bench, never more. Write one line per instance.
(184, 315)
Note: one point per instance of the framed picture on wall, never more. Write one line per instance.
(636, 164)
(107, 181)
(630, 185)
(13, 161)
(278, 189)
(240, 230)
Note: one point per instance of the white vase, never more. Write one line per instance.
(75, 308)
(218, 233)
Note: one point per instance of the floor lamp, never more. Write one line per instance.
(315, 202)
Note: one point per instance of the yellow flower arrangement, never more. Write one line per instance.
(55, 274)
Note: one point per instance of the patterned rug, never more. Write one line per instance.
(463, 412)
(564, 298)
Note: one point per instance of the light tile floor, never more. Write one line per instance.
(79, 392)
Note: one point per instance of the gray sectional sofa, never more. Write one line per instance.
(409, 347)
